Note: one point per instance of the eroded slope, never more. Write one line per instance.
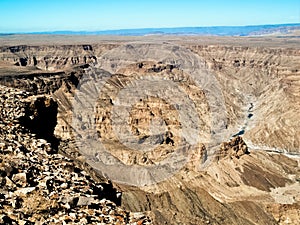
(260, 89)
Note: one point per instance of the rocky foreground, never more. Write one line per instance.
(39, 186)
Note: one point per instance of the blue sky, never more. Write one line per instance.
(51, 15)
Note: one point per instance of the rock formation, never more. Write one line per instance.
(235, 148)
(39, 186)
(253, 173)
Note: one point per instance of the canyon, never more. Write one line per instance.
(187, 130)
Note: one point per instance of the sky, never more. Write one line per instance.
(93, 15)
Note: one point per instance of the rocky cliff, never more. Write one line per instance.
(54, 57)
(274, 78)
(248, 96)
(39, 186)
(251, 78)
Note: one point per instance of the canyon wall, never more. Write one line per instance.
(246, 183)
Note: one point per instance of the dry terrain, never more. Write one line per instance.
(166, 129)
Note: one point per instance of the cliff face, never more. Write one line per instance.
(52, 58)
(39, 186)
(250, 78)
(246, 183)
(261, 90)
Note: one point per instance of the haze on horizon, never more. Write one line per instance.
(93, 15)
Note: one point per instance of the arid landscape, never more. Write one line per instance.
(149, 129)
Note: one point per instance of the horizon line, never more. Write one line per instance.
(150, 28)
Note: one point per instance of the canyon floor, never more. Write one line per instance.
(149, 130)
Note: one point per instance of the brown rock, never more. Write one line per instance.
(236, 147)
(20, 179)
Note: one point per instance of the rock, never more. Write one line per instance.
(9, 183)
(236, 147)
(85, 201)
(20, 179)
(39, 186)
(64, 185)
(24, 191)
(2, 146)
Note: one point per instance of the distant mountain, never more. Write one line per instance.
(215, 31)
